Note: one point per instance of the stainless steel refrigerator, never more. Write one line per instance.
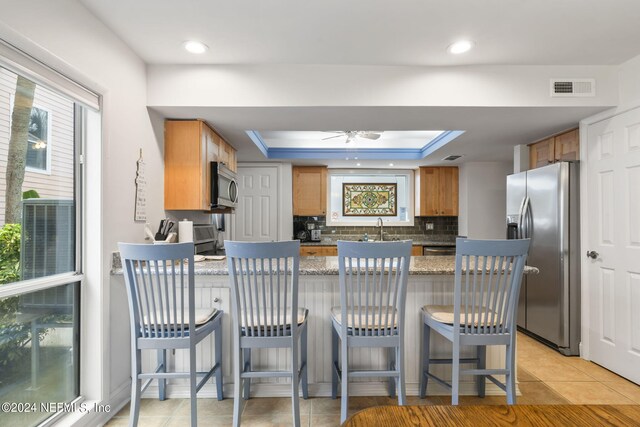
(542, 204)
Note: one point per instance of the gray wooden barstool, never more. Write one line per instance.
(265, 312)
(487, 284)
(373, 288)
(163, 316)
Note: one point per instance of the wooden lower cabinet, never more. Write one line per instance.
(416, 250)
(318, 250)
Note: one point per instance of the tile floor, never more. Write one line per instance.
(545, 376)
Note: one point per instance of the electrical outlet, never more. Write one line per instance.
(429, 226)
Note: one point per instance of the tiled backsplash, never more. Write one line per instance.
(444, 228)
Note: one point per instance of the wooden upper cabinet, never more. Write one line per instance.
(541, 153)
(567, 146)
(189, 147)
(448, 191)
(563, 147)
(309, 190)
(439, 191)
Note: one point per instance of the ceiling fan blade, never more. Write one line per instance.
(373, 136)
(331, 137)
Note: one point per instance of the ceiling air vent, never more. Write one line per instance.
(452, 157)
(573, 87)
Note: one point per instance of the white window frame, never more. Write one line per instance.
(94, 303)
(369, 221)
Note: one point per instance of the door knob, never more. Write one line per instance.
(592, 254)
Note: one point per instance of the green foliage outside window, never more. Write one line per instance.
(9, 253)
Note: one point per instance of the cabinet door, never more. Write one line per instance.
(184, 178)
(212, 147)
(448, 192)
(233, 161)
(318, 250)
(223, 153)
(309, 190)
(567, 146)
(541, 153)
(330, 251)
(429, 185)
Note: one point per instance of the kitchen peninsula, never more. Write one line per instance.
(430, 282)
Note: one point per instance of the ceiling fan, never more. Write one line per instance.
(353, 134)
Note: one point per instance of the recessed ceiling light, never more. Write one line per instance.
(459, 47)
(390, 164)
(196, 47)
(357, 164)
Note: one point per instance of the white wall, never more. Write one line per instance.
(630, 83)
(483, 189)
(343, 85)
(64, 34)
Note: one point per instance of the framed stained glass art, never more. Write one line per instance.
(369, 199)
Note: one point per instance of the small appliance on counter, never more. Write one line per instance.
(204, 239)
(300, 232)
(313, 233)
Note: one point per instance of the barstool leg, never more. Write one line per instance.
(481, 354)
(246, 352)
(303, 354)
(391, 386)
(334, 362)
(344, 380)
(424, 356)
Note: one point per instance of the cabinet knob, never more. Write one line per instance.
(216, 299)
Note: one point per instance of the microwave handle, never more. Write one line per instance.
(213, 172)
(233, 183)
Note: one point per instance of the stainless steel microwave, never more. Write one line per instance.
(224, 186)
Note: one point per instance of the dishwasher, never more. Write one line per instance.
(438, 250)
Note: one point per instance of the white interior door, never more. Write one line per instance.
(257, 212)
(613, 221)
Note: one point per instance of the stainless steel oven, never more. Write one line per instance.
(224, 186)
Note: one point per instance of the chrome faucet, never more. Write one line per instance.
(381, 225)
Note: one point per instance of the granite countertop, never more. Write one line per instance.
(318, 266)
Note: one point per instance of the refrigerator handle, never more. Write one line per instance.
(528, 221)
(521, 217)
(519, 231)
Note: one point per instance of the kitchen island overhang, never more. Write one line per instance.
(431, 281)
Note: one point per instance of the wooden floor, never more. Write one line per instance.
(497, 415)
(545, 378)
